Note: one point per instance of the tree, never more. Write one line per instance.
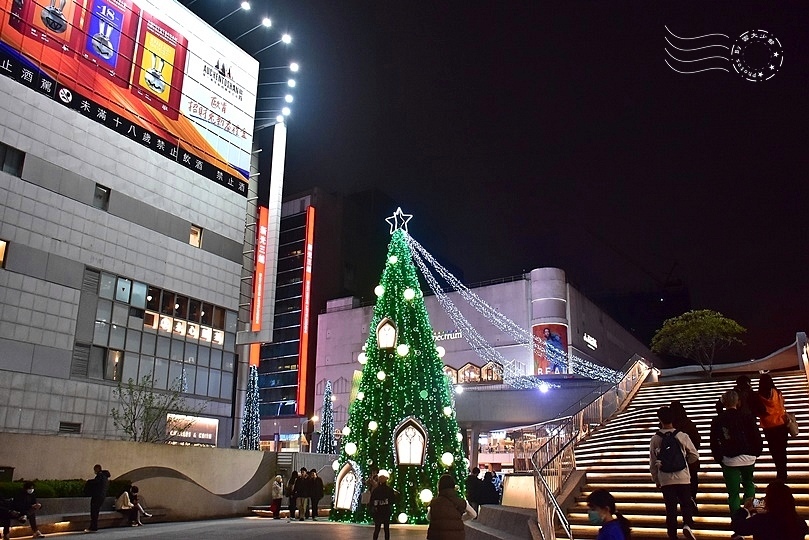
(326, 443)
(142, 412)
(697, 335)
(250, 437)
(403, 418)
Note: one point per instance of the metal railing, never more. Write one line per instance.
(554, 460)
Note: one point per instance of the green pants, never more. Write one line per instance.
(735, 476)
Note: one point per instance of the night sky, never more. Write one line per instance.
(531, 134)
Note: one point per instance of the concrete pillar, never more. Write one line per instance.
(473, 447)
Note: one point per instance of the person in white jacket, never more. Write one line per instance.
(671, 474)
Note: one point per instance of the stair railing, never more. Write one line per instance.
(554, 461)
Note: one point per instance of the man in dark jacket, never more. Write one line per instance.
(96, 488)
(303, 492)
(735, 445)
(26, 504)
(7, 513)
(317, 491)
(381, 505)
(474, 487)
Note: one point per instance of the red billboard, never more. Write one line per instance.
(303, 356)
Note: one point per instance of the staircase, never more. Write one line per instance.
(616, 458)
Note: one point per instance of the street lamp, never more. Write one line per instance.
(265, 22)
(293, 67)
(313, 419)
(286, 38)
(245, 6)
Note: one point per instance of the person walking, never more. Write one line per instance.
(747, 399)
(670, 452)
(25, 502)
(291, 494)
(601, 511)
(683, 423)
(447, 512)
(381, 505)
(772, 419)
(735, 445)
(277, 493)
(774, 518)
(474, 487)
(302, 493)
(316, 491)
(96, 488)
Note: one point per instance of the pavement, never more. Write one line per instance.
(248, 528)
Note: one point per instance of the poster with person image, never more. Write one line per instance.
(552, 357)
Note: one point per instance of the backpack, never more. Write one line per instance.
(671, 455)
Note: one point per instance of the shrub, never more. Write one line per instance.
(46, 489)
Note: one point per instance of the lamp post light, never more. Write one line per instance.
(265, 22)
(286, 39)
(293, 67)
(244, 6)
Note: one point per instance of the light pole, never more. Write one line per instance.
(286, 38)
(265, 22)
(245, 6)
(313, 419)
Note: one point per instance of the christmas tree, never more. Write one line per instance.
(402, 420)
(326, 443)
(251, 425)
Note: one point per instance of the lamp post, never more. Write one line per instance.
(286, 38)
(244, 6)
(265, 22)
(305, 422)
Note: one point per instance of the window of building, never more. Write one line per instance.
(411, 442)
(11, 160)
(114, 365)
(196, 236)
(101, 197)
(3, 247)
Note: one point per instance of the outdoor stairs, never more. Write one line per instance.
(616, 458)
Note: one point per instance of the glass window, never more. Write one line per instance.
(120, 314)
(216, 358)
(230, 341)
(190, 353)
(146, 366)
(166, 324)
(177, 350)
(214, 378)
(228, 360)
(202, 382)
(106, 286)
(161, 373)
(153, 299)
(114, 365)
(203, 355)
(207, 314)
(176, 374)
(163, 347)
(347, 482)
(231, 320)
(96, 366)
(138, 298)
(451, 374)
(101, 333)
(195, 238)
(469, 373)
(117, 336)
(130, 370)
(226, 391)
(135, 318)
(133, 341)
(190, 378)
(181, 307)
(218, 318)
(148, 344)
(194, 310)
(150, 321)
(101, 197)
(410, 444)
(3, 247)
(167, 303)
(123, 290)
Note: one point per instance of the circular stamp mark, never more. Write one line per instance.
(756, 55)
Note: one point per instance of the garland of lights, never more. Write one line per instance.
(522, 336)
(250, 437)
(326, 443)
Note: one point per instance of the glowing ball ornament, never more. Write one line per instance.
(458, 389)
(335, 465)
(402, 350)
(459, 436)
(409, 294)
(362, 358)
(447, 459)
(381, 375)
(441, 351)
(360, 395)
(393, 259)
(379, 290)
(346, 431)
(372, 425)
(402, 518)
(383, 472)
(447, 411)
(423, 394)
(426, 496)
(351, 448)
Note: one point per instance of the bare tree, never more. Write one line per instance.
(142, 411)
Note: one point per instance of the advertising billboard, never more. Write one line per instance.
(553, 357)
(148, 69)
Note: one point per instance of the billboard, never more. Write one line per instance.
(553, 357)
(148, 69)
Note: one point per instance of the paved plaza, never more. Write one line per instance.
(250, 527)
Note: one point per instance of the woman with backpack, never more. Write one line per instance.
(772, 419)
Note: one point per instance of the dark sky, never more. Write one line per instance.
(529, 134)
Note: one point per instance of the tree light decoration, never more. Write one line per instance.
(379, 290)
(360, 395)
(459, 436)
(384, 472)
(402, 350)
(326, 443)
(362, 358)
(447, 459)
(393, 259)
(441, 351)
(380, 375)
(372, 425)
(351, 448)
(458, 389)
(250, 437)
(346, 431)
(412, 432)
(426, 496)
(335, 465)
(402, 518)
(409, 294)
(447, 411)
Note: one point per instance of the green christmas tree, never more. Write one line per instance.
(250, 438)
(403, 419)
(326, 443)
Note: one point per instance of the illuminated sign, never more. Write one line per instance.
(441, 336)
(303, 357)
(183, 429)
(590, 341)
(258, 274)
(148, 69)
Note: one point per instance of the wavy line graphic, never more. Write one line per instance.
(696, 59)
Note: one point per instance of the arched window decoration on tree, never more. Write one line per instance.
(410, 442)
(346, 491)
(386, 334)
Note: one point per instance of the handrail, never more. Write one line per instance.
(554, 461)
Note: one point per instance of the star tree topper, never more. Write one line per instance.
(398, 220)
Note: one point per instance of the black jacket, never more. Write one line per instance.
(317, 488)
(97, 487)
(474, 486)
(381, 503)
(734, 433)
(23, 502)
(303, 487)
(764, 526)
